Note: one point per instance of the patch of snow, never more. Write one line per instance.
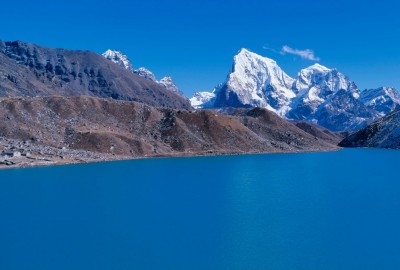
(202, 100)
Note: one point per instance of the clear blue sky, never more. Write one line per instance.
(194, 41)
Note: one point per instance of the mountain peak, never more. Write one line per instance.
(145, 73)
(245, 54)
(255, 81)
(244, 51)
(319, 68)
(168, 83)
(119, 58)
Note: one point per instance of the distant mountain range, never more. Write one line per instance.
(319, 94)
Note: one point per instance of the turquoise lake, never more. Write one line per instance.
(336, 210)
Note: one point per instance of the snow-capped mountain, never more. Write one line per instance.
(315, 85)
(144, 72)
(203, 100)
(255, 81)
(119, 58)
(328, 98)
(383, 99)
(170, 85)
(319, 94)
(122, 60)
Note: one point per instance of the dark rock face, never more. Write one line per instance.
(227, 98)
(31, 70)
(384, 133)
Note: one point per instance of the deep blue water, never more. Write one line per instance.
(338, 210)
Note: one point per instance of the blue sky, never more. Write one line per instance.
(195, 41)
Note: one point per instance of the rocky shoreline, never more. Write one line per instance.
(20, 154)
(17, 154)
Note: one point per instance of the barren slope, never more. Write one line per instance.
(129, 129)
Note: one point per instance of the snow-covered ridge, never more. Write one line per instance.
(119, 58)
(122, 60)
(383, 99)
(144, 72)
(170, 85)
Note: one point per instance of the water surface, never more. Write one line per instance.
(338, 210)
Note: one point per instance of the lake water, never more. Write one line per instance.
(338, 210)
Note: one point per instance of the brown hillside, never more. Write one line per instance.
(128, 129)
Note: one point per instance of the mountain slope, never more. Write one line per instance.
(320, 132)
(130, 129)
(383, 133)
(31, 70)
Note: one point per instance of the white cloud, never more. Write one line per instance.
(266, 47)
(305, 54)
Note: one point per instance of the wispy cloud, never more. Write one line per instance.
(268, 48)
(305, 54)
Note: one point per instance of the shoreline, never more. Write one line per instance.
(67, 162)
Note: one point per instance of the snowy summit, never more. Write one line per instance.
(119, 58)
